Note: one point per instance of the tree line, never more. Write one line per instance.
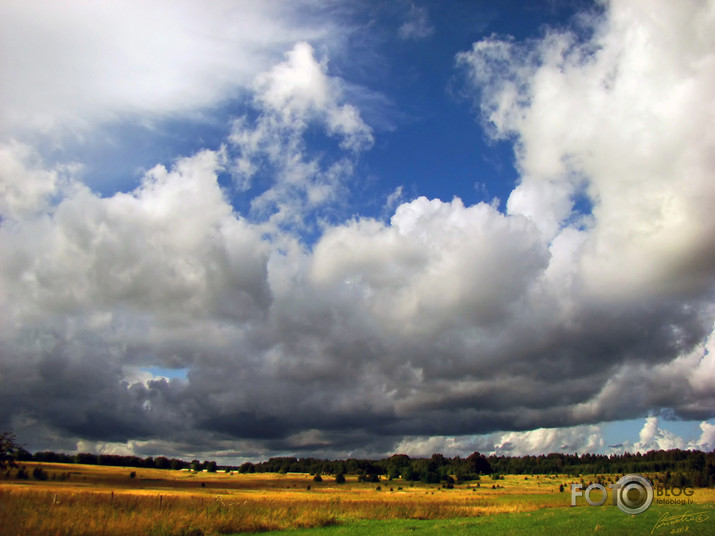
(691, 467)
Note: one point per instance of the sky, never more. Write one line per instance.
(233, 230)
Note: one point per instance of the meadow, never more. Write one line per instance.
(78, 500)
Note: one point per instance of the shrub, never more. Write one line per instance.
(39, 474)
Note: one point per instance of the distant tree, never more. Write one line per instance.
(86, 458)
(39, 474)
(22, 455)
(162, 462)
(52, 457)
(211, 467)
(317, 478)
(479, 464)
(340, 478)
(8, 450)
(430, 477)
(410, 474)
(396, 465)
(247, 467)
(436, 461)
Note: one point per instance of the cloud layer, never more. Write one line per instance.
(74, 65)
(590, 299)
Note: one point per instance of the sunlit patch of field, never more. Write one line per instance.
(544, 522)
(99, 500)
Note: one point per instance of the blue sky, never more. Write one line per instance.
(241, 229)
(412, 94)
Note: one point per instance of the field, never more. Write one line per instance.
(80, 500)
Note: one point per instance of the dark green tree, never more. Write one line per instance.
(479, 464)
(410, 474)
(430, 477)
(39, 474)
(162, 462)
(8, 450)
(247, 467)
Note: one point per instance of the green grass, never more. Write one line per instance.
(580, 520)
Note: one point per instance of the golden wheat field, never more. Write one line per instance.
(96, 500)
